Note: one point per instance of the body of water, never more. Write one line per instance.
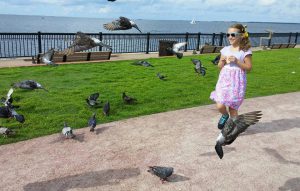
(21, 23)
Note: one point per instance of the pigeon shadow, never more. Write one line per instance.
(102, 129)
(85, 180)
(292, 184)
(225, 149)
(79, 137)
(279, 157)
(177, 178)
(61, 138)
(274, 126)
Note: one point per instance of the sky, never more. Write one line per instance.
(201, 10)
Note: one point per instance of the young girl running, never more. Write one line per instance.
(234, 62)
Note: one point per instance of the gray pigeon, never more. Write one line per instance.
(83, 42)
(106, 109)
(127, 99)
(161, 77)
(9, 112)
(162, 172)
(6, 131)
(92, 122)
(122, 23)
(67, 131)
(199, 67)
(29, 85)
(175, 49)
(233, 127)
(216, 60)
(143, 63)
(47, 58)
(92, 100)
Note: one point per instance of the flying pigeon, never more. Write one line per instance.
(111, 0)
(6, 131)
(143, 63)
(92, 100)
(162, 172)
(9, 112)
(29, 85)
(67, 131)
(127, 99)
(92, 122)
(83, 42)
(8, 99)
(175, 49)
(216, 60)
(161, 77)
(199, 67)
(233, 127)
(106, 109)
(47, 58)
(122, 23)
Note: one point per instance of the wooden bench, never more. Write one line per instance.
(79, 56)
(283, 45)
(210, 49)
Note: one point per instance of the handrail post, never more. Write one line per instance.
(100, 38)
(186, 40)
(148, 43)
(296, 37)
(40, 42)
(213, 39)
(290, 37)
(198, 41)
(221, 39)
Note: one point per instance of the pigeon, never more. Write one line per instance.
(6, 131)
(194, 51)
(9, 112)
(161, 77)
(199, 67)
(111, 0)
(162, 172)
(122, 23)
(175, 49)
(92, 122)
(216, 60)
(127, 99)
(67, 131)
(143, 63)
(106, 109)
(47, 58)
(92, 100)
(83, 42)
(29, 85)
(8, 99)
(233, 127)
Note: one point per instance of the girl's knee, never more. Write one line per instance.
(221, 106)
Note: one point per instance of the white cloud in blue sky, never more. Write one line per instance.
(202, 10)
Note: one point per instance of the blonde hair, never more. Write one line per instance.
(244, 42)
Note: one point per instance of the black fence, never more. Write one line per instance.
(30, 44)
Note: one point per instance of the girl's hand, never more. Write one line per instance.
(231, 59)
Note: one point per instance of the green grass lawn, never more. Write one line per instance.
(276, 71)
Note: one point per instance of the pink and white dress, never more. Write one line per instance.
(231, 86)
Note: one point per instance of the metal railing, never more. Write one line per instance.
(30, 44)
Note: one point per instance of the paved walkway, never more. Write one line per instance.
(17, 62)
(266, 157)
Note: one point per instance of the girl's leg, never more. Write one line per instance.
(224, 117)
(233, 112)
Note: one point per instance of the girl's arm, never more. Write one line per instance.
(247, 64)
(222, 62)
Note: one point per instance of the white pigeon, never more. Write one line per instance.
(67, 131)
(8, 97)
(175, 49)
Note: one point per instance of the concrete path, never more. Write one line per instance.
(266, 157)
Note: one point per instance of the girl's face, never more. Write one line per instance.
(233, 36)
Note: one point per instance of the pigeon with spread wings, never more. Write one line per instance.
(175, 49)
(83, 42)
(122, 23)
(233, 127)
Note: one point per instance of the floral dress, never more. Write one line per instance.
(231, 86)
